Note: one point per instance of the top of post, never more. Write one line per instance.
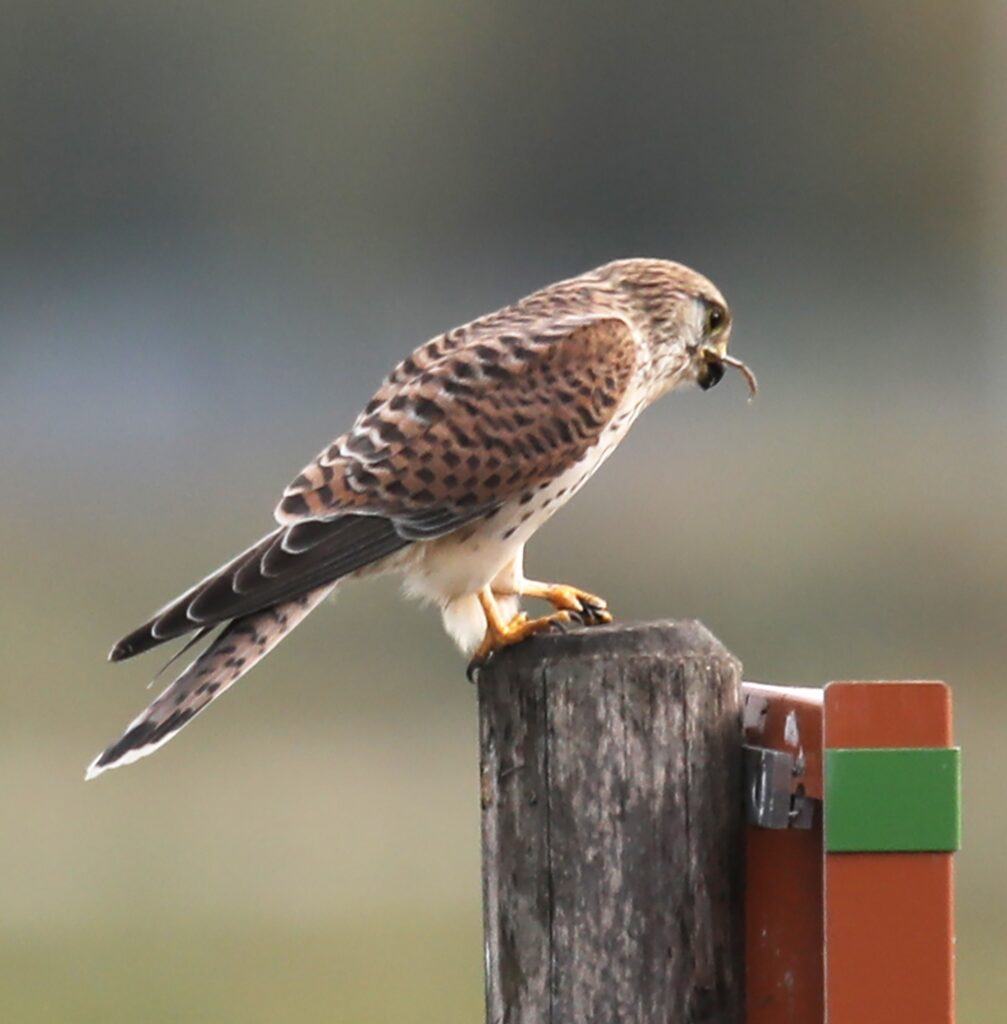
(670, 639)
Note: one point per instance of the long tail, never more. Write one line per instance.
(243, 642)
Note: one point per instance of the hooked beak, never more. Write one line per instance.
(711, 372)
(715, 359)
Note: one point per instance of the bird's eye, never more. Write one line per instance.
(716, 319)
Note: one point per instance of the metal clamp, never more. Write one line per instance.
(773, 796)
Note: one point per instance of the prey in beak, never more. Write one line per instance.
(712, 371)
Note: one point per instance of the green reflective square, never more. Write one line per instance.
(892, 800)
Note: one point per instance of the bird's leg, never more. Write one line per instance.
(500, 633)
(590, 609)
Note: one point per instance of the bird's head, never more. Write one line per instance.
(684, 322)
(707, 348)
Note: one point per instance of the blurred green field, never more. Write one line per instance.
(415, 969)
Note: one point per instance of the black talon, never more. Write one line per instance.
(473, 669)
(593, 613)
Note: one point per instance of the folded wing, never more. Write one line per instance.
(282, 565)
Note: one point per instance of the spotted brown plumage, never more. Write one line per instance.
(471, 419)
(469, 446)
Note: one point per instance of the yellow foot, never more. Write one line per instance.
(500, 634)
(588, 608)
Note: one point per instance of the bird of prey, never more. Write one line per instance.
(467, 448)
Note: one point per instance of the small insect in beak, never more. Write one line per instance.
(713, 371)
(753, 384)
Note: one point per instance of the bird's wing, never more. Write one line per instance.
(282, 565)
(472, 419)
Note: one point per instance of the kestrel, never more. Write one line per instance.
(467, 448)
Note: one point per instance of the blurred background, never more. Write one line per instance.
(221, 224)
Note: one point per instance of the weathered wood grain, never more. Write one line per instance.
(612, 828)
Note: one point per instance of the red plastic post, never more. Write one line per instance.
(889, 917)
(784, 965)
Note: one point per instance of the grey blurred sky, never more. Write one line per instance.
(195, 198)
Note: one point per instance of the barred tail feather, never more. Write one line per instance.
(243, 642)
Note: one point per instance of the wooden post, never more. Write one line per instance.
(612, 828)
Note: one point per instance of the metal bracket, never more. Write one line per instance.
(774, 797)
